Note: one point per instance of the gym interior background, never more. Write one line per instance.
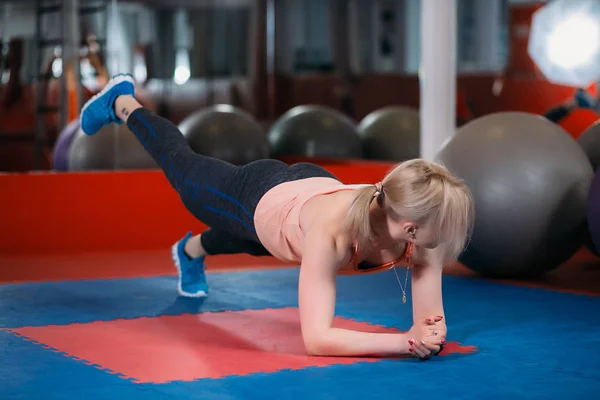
(503, 92)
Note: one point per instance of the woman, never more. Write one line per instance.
(419, 216)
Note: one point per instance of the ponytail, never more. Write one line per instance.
(359, 212)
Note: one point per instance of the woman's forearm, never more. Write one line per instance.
(344, 342)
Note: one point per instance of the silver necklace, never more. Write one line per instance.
(399, 283)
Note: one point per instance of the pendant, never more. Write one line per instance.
(403, 299)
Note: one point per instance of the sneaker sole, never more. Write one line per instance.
(175, 257)
(112, 83)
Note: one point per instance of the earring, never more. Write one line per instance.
(411, 233)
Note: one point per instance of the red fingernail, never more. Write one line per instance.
(411, 350)
(439, 316)
(428, 320)
(411, 342)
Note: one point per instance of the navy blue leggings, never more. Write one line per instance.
(221, 195)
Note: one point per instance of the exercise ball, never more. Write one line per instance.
(227, 133)
(114, 147)
(60, 154)
(530, 182)
(593, 215)
(315, 131)
(391, 134)
(590, 143)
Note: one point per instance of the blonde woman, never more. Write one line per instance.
(418, 218)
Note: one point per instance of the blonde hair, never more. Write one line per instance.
(425, 193)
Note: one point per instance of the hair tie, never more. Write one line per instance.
(378, 189)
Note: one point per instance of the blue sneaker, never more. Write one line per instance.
(192, 280)
(99, 110)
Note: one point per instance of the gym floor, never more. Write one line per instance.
(106, 322)
(112, 326)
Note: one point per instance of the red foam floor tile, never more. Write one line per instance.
(189, 347)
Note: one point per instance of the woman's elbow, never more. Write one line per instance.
(316, 345)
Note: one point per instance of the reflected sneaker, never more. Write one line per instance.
(584, 99)
(99, 110)
(192, 279)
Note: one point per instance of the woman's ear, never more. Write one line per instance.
(411, 229)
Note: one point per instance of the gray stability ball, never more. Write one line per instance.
(227, 133)
(114, 147)
(530, 182)
(391, 134)
(315, 131)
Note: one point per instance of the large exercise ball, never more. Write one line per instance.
(391, 134)
(227, 133)
(530, 182)
(60, 154)
(315, 131)
(114, 147)
(593, 215)
(590, 143)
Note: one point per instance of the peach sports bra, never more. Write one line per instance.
(365, 267)
(277, 221)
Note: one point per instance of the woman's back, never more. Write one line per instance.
(290, 209)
